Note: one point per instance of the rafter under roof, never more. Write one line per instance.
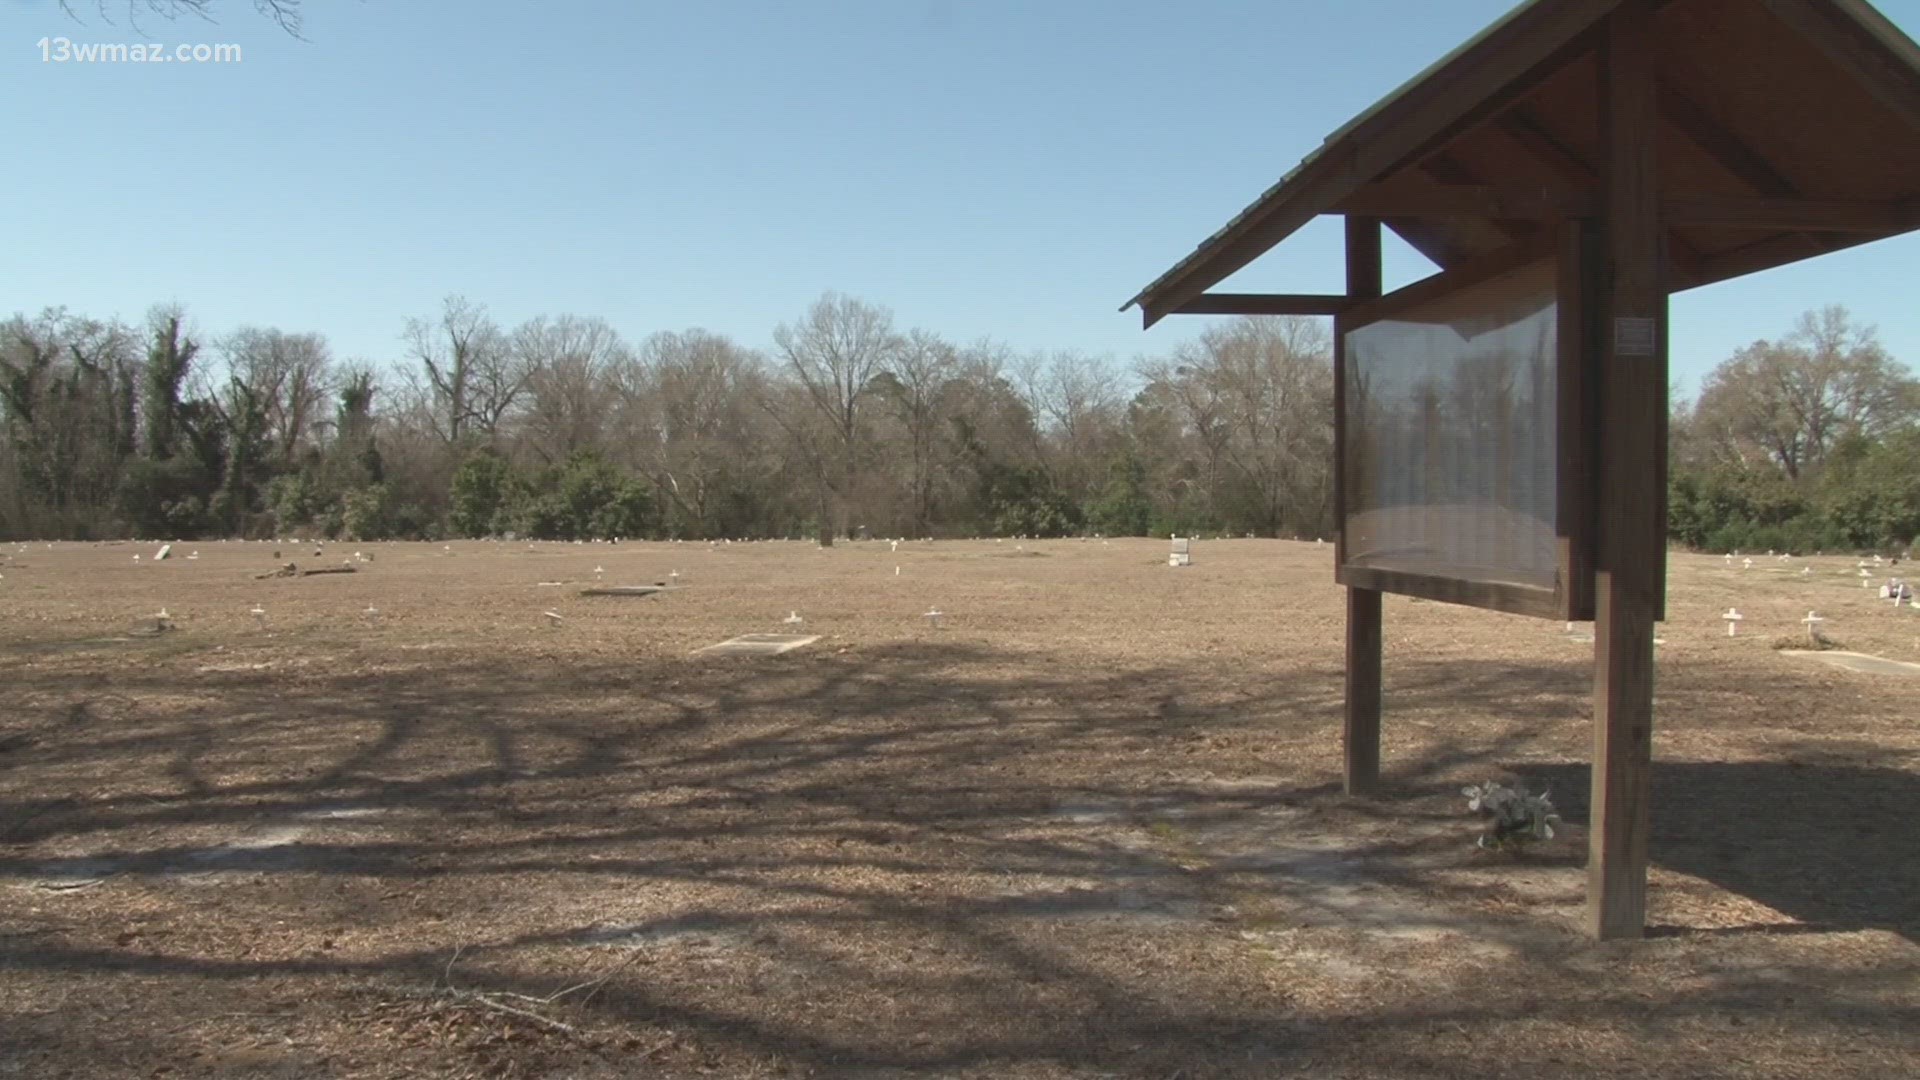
(1762, 161)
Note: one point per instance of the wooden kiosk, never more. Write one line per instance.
(1501, 426)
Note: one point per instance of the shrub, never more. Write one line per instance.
(363, 513)
(482, 487)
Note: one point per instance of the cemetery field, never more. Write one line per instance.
(400, 822)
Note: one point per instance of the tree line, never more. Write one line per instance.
(1803, 443)
(559, 428)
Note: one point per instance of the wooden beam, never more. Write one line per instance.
(1361, 731)
(1447, 169)
(1538, 41)
(1531, 134)
(1793, 215)
(1541, 603)
(1465, 201)
(1472, 272)
(1361, 735)
(1720, 143)
(1863, 44)
(1576, 387)
(1630, 568)
(1214, 264)
(1534, 136)
(1263, 304)
(1733, 154)
(1502, 64)
(1429, 238)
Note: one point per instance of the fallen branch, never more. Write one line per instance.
(453, 997)
(465, 997)
(294, 570)
(593, 986)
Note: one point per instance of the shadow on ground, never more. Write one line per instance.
(1827, 842)
(912, 859)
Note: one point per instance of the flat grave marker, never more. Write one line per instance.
(758, 645)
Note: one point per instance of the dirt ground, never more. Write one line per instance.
(402, 823)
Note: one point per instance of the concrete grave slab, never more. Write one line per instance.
(1861, 662)
(758, 645)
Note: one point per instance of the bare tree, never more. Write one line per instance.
(1199, 411)
(68, 399)
(1793, 400)
(1079, 398)
(472, 375)
(70, 412)
(291, 378)
(913, 386)
(568, 362)
(284, 13)
(834, 352)
(1273, 382)
(693, 415)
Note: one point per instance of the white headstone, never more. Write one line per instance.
(1182, 554)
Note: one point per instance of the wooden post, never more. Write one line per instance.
(1630, 577)
(1362, 733)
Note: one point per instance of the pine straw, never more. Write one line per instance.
(1092, 827)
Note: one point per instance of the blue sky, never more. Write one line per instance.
(1006, 168)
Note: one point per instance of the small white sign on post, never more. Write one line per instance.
(1182, 554)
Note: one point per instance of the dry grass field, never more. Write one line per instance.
(1091, 826)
